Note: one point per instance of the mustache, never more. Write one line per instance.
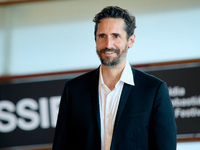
(110, 50)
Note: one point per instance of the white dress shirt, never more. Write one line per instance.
(109, 101)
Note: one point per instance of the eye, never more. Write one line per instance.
(116, 35)
(101, 36)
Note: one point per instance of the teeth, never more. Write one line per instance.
(109, 52)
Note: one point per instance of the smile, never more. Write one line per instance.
(109, 52)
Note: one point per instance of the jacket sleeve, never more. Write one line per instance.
(60, 137)
(162, 127)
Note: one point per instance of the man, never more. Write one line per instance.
(115, 106)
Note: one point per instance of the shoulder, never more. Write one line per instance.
(85, 78)
(141, 77)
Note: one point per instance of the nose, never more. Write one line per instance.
(109, 43)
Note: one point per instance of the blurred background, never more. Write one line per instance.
(50, 36)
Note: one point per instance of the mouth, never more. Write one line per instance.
(109, 52)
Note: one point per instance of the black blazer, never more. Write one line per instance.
(144, 121)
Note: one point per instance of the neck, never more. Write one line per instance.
(111, 75)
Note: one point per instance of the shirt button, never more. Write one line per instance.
(108, 137)
(108, 116)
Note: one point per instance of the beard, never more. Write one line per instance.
(109, 61)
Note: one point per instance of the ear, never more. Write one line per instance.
(131, 40)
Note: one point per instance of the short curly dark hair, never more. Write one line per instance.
(116, 12)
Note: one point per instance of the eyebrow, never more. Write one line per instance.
(101, 34)
(115, 34)
(111, 34)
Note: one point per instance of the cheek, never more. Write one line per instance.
(119, 45)
(99, 45)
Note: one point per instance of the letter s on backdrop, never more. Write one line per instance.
(7, 116)
(30, 114)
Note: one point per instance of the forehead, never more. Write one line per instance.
(111, 25)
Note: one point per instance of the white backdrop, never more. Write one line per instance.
(58, 36)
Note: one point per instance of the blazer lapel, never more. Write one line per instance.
(124, 96)
(95, 95)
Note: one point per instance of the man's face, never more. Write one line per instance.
(111, 41)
